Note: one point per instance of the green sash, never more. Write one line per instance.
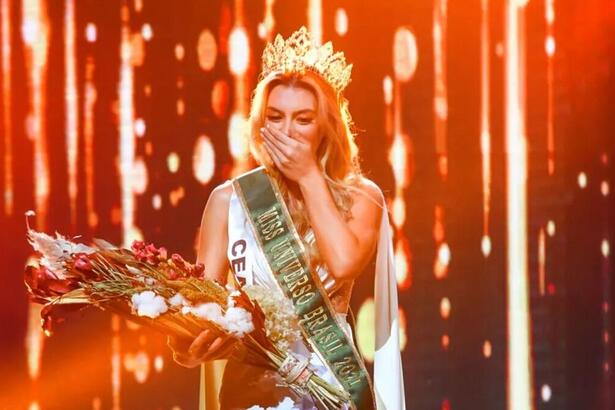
(280, 243)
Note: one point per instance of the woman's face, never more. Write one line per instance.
(292, 110)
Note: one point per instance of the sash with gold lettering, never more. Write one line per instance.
(288, 263)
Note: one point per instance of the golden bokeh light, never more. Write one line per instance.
(239, 51)
(204, 160)
(207, 50)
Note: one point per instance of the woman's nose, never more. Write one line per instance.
(287, 127)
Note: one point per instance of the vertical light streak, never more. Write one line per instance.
(440, 128)
(440, 85)
(266, 28)
(35, 34)
(116, 363)
(542, 259)
(315, 20)
(239, 61)
(550, 50)
(126, 165)
(485, 132)
(71, 99)
(126, 126)
(606, 317)
(519, 357)
(606, 273)
(7, 113)
(88, 140)
(401, 157)
(34, 340)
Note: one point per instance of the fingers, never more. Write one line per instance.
(219, 348)
(268, 137)
(277, 155)
(208, 345)
(201, 342)
(280, 136)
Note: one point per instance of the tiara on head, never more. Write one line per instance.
(297, 54)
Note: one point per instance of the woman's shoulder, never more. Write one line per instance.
(220, 196)
(368, 190)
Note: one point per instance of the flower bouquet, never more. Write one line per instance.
(171, 295)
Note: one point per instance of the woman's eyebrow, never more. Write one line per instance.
(299, 112)
(274, 109)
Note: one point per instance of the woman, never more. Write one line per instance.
(300, 133)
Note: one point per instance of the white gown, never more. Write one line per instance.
(250, 267)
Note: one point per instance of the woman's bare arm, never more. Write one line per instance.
(346, 246)
(212, 244)
(213, 235)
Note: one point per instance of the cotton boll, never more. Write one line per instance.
(208, 311)
(238, 321)
(141, 297)
(154, 309)
(178, 300)
(148, 304)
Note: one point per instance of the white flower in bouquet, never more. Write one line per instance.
(238, 321)
(147, 303)
(281, 323)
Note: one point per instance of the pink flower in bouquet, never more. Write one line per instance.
(178, 260)
(151, 249)
(137, 246)
(82, 262)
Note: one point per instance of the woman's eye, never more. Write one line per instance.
(274, 118)
(305, 120)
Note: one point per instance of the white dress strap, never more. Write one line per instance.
(239, 243)
(388, 371)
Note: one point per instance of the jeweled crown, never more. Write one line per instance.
(297, 54)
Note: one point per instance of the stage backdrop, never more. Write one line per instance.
(487, 123)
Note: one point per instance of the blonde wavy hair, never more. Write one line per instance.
(337, 153)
